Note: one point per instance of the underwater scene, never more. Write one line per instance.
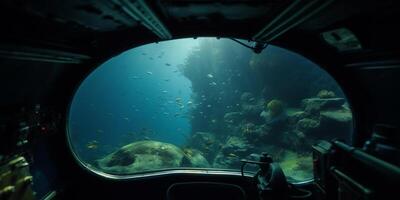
(205, 103)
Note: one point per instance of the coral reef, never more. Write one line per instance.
(233, 117)
(141, 156)
(306, 124)
(244, 132)
(326, 94)
(194, 158)
(205, 142)
(232, 151)
(275, 108)
(287, 134)
(247, 124)
(149, 155)
(250, 106)
(317, 104)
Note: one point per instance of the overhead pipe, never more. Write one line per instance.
(297, 12)
(138, 10)
(41, 55)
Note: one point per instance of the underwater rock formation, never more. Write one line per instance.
(275, 116)
(326, 94)
(247, 97)
(275, 108)
(321, 115)
(250, 106)
(307, 125)
(255, 134)
(232, 151)
(340, 119)
(294, 117)
(233, 117)
(194, 158)
(141, 156)
(296, 166)
(342, 115)
(206, 143)
(317, 104)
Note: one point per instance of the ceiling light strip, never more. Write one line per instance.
(140, 11)
(289, 19)
(301, 20)
(43, 56)
(276, 19)
(294, 14)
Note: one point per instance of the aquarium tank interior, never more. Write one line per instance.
(204, 103)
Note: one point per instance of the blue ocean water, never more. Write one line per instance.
(139, 94)
(210, 98)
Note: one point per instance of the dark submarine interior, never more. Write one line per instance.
(48, 48)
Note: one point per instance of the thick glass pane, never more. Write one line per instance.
(205, 103)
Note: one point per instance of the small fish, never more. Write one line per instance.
(149, 73)
(210, 76)
(99, 131)
(144, 54)
(213, 83)
(151, 58)
(167, 64)
(166, 80)
(189, 103)
(92, 144)
(209, 142)
(135, 77)
(213, 121)
(232, 155)
(146, 138)
(209, 106)
(164, 91)
(126, 119)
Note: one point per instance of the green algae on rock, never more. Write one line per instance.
(142, 156)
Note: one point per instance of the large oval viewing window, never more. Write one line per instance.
(205, 103)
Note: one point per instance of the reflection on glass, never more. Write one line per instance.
(205, 103)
